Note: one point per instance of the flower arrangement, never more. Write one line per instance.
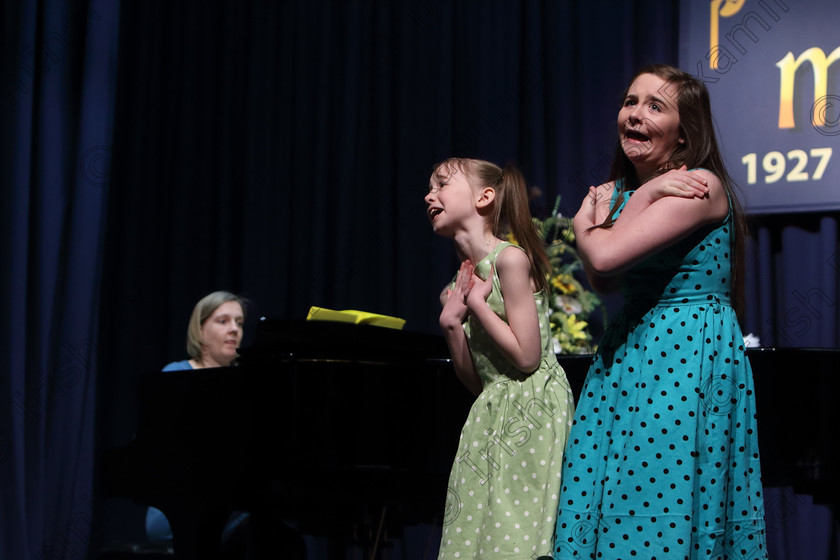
(570, 304)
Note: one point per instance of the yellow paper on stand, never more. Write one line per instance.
(353, 316)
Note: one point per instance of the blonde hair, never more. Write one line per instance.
(205, 307)
(511, 213)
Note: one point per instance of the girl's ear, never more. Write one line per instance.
(486, 196)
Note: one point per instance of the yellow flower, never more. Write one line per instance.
(563, 283)
(569, 235)
(577, 329)
(568, 297)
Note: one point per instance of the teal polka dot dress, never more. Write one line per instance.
(505, 481)
(662, 461)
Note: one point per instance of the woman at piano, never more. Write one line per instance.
(214, 334)
(663, 460)
(504, 484)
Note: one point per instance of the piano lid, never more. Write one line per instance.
(294, 339)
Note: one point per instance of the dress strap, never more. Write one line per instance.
(498, 248)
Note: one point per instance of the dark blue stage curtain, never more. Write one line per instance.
(58, 71)
(793, 281)
(792, 299)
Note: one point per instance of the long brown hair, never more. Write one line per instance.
(511, 213)
(700, 149)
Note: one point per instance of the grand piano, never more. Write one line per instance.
(335, 426)
(796, 400)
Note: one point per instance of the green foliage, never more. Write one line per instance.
(571, 305)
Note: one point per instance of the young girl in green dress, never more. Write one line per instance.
(505, 480)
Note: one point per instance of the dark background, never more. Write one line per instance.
(153, 152)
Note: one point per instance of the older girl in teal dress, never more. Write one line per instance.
(504, 485)
(663, 460)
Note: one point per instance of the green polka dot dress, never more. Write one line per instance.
(663, 460)
(505, 481)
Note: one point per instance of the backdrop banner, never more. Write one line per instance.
(770, 68)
